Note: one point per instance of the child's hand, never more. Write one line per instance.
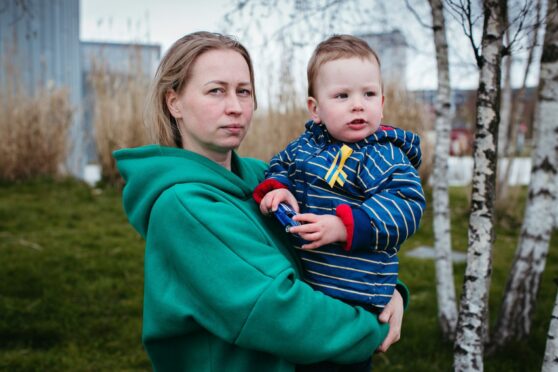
(319, 229)
(272, 199)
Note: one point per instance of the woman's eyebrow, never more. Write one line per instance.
(220, 82)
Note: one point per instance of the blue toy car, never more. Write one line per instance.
(284, 215)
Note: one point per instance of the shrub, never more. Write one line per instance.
(33, 132)
(118, 102)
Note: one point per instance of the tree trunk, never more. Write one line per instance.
(550, 363)
(445, 287)
(517, 115)
(506, 108)
(523, 284)
(473, 314)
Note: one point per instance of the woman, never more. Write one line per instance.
(222, 290)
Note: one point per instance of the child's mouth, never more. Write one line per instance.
(357, 122)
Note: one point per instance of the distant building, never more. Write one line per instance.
(391, 47)
(40, 38)
(39, 45)
(117, 59)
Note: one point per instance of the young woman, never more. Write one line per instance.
(222, 289)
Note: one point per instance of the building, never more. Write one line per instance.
(40, 39)
(39, 45)
(119, 60)
(391, 47)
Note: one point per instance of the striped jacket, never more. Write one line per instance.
(373, 186)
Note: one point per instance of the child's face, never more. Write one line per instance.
(349, 99)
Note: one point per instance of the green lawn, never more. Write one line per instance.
(71, 273)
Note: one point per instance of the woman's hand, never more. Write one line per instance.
(392, 314)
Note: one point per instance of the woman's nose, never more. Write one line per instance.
(233, 105)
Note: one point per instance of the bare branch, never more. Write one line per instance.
(416, 15)
(467, 21)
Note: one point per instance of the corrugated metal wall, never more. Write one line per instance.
(39, 45)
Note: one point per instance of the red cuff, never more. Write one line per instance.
(386, 127)
(345, 213)
(265, 187)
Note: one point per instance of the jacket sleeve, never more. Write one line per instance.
(394, 201)
(283, 165)
(215, 265)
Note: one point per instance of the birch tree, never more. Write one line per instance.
(518, 113)
(550, 362)
(506, 104)
(473, 313)
(445, 288)
(523, 283)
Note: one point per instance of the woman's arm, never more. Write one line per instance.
(214, 264)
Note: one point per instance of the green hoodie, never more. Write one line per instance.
(222, 290)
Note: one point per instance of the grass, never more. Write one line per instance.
(71, 283)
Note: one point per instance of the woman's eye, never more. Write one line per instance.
(217, 91)
(245, 92)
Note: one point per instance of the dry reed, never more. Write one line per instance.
(118, 102)
(33, 130)
(274, 128)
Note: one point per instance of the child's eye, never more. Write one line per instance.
(341, 95)
(370, 94)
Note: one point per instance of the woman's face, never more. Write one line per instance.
(215, 108)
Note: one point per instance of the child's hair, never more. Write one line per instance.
(334, 48)
(174, 72)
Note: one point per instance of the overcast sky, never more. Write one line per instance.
(162, 22)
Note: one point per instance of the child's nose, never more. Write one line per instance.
(358, 105)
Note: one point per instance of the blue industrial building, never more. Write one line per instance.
(40, 38)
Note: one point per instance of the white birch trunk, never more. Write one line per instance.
(550, 362)
(523, 283)
(517, 116)
(445, 287)
(506, 107)
(473, 313)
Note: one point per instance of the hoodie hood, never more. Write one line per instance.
(150, 170)
(408, 142)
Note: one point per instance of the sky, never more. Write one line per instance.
(163, 22)
(148, 20)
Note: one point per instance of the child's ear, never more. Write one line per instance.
(173, 104)
(383, 97)
(312, 105)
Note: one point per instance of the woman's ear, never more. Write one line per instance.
(173, 104)
(312, 105)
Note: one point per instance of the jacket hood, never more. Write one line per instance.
(150, 170)
(408, 142)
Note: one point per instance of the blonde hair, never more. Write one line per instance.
(334, 48)
(174, 72)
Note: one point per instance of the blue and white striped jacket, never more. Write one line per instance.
(380, 184)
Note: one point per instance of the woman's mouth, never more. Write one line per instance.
(233, 128)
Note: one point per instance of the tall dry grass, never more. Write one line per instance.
(403, 110)
(33, 130)
(118, 103)
(274, 128)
